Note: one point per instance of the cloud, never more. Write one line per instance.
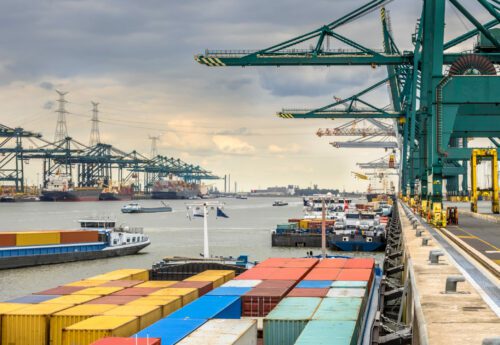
(46, 85)
(232, 145)
(48, 105)
(293, 148)
(237, 131)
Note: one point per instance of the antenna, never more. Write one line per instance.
(154, 145)
(95, 137)
(61, 127)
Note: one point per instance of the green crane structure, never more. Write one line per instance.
(440, 98)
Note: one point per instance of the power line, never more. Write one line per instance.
(61, 126)
(95, 137)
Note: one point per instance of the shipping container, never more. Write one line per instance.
(157, 283)
(357, 274)
(323, 274)
(227, 274)
(203, 287)
(124, 274)
(261, 273)
(288, 284)
(171, 331)
(349, 284)
(70, 316)
(33, 299)
(314, 284)
(242, 283)
(169, 304)
(339, 309)
(88, 331)
(272, 263)
(284, 324)
(61, 290)
(289, 273)
(39, 238)
(288, 262)
(360, 263)
(319, 332)
(29, 325)
(347, 292)
(187, 294)
(332, 263)
(147, 314)
(210, 307)
(100, 291)
(7, 239)
(122, 283)
(224, 332)
(87, 283)
(71, 299)
(79, 236)
(297, 292)
(229, 291)
(127, 341)
(215, 280)
(8, 307)
(259, 302)
(116, 300)
(135, 291)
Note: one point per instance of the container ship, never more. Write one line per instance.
(60, 188)
(96, 239)
(173, 187)
(117, 193)
(281, 301)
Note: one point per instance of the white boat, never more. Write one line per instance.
(137, 208)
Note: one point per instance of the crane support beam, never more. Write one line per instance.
(337, 114)
(365, 144)
(468, 35)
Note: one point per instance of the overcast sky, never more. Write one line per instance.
(136, 59)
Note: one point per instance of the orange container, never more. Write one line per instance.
(323, 274)
(272, 262)
(332, 263)
(79, 236)
(122, 283)
(260, 273)
(360, 263)
(7, 239)
(355, 274)
(289, 273)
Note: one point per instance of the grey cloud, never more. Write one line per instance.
(238, 131)
(48, 105)
(46, 85)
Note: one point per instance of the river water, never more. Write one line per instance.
(246, 231)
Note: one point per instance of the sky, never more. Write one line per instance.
(136, 59)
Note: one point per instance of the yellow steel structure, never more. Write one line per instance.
(477, 156)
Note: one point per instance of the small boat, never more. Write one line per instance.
(137, 208)
(242, 197)
(280, 203)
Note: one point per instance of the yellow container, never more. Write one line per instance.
(87, 283)
(147, 314)
(157, 283)
(227, 274)
(8, 307)
(38, 238)
(187, 294)
(169, 304)
(98, 327)
(215, 280)
(29, 325)
(71, 299)
(99, 291)
(124, 274)
(59, 321)
(304, 223)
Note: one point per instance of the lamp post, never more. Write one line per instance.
(205, 205)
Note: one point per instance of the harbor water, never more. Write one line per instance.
(246, 231)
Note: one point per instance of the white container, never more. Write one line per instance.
(242, 283)
(224, 332)
(346, 292)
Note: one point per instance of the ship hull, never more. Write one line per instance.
(168, 195)
(47, 259)
(74, 195)
(106, 196)
(356, 243)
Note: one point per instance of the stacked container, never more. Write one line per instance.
(224, 332)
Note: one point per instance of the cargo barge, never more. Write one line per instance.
(98, 239)
(60, 188)
(281, 301)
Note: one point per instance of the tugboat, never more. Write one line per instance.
(60, 188)
(280, 203)
(137, 208)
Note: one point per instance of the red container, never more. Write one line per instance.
(122, 283)
(259, 302)
(127, 341)
(136, 291)
(203, 287)
(355, 274)
(360, 263)
(79, 236)
(118, 300)
(61, 290)
(273, 262)
(289, 273)
(323, 274)
(294, 220)
(260, 273)
(297, 292)
(7, 239)
(288, 262)
(303, 262)
(331, 263)
(276, 284)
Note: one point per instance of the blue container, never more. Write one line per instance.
(170, 331)
(229, 291)
(315, 284)
(210, 307)
(33, 299)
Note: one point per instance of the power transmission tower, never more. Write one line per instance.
(154, 145)
(61, 127)
(95, 137)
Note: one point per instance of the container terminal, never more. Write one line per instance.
(439, 279)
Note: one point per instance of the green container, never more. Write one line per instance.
(283, 325)
(321, 332)
(288, 226)
(339, 309)
(349, 284)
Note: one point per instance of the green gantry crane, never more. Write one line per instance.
(439, 98)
